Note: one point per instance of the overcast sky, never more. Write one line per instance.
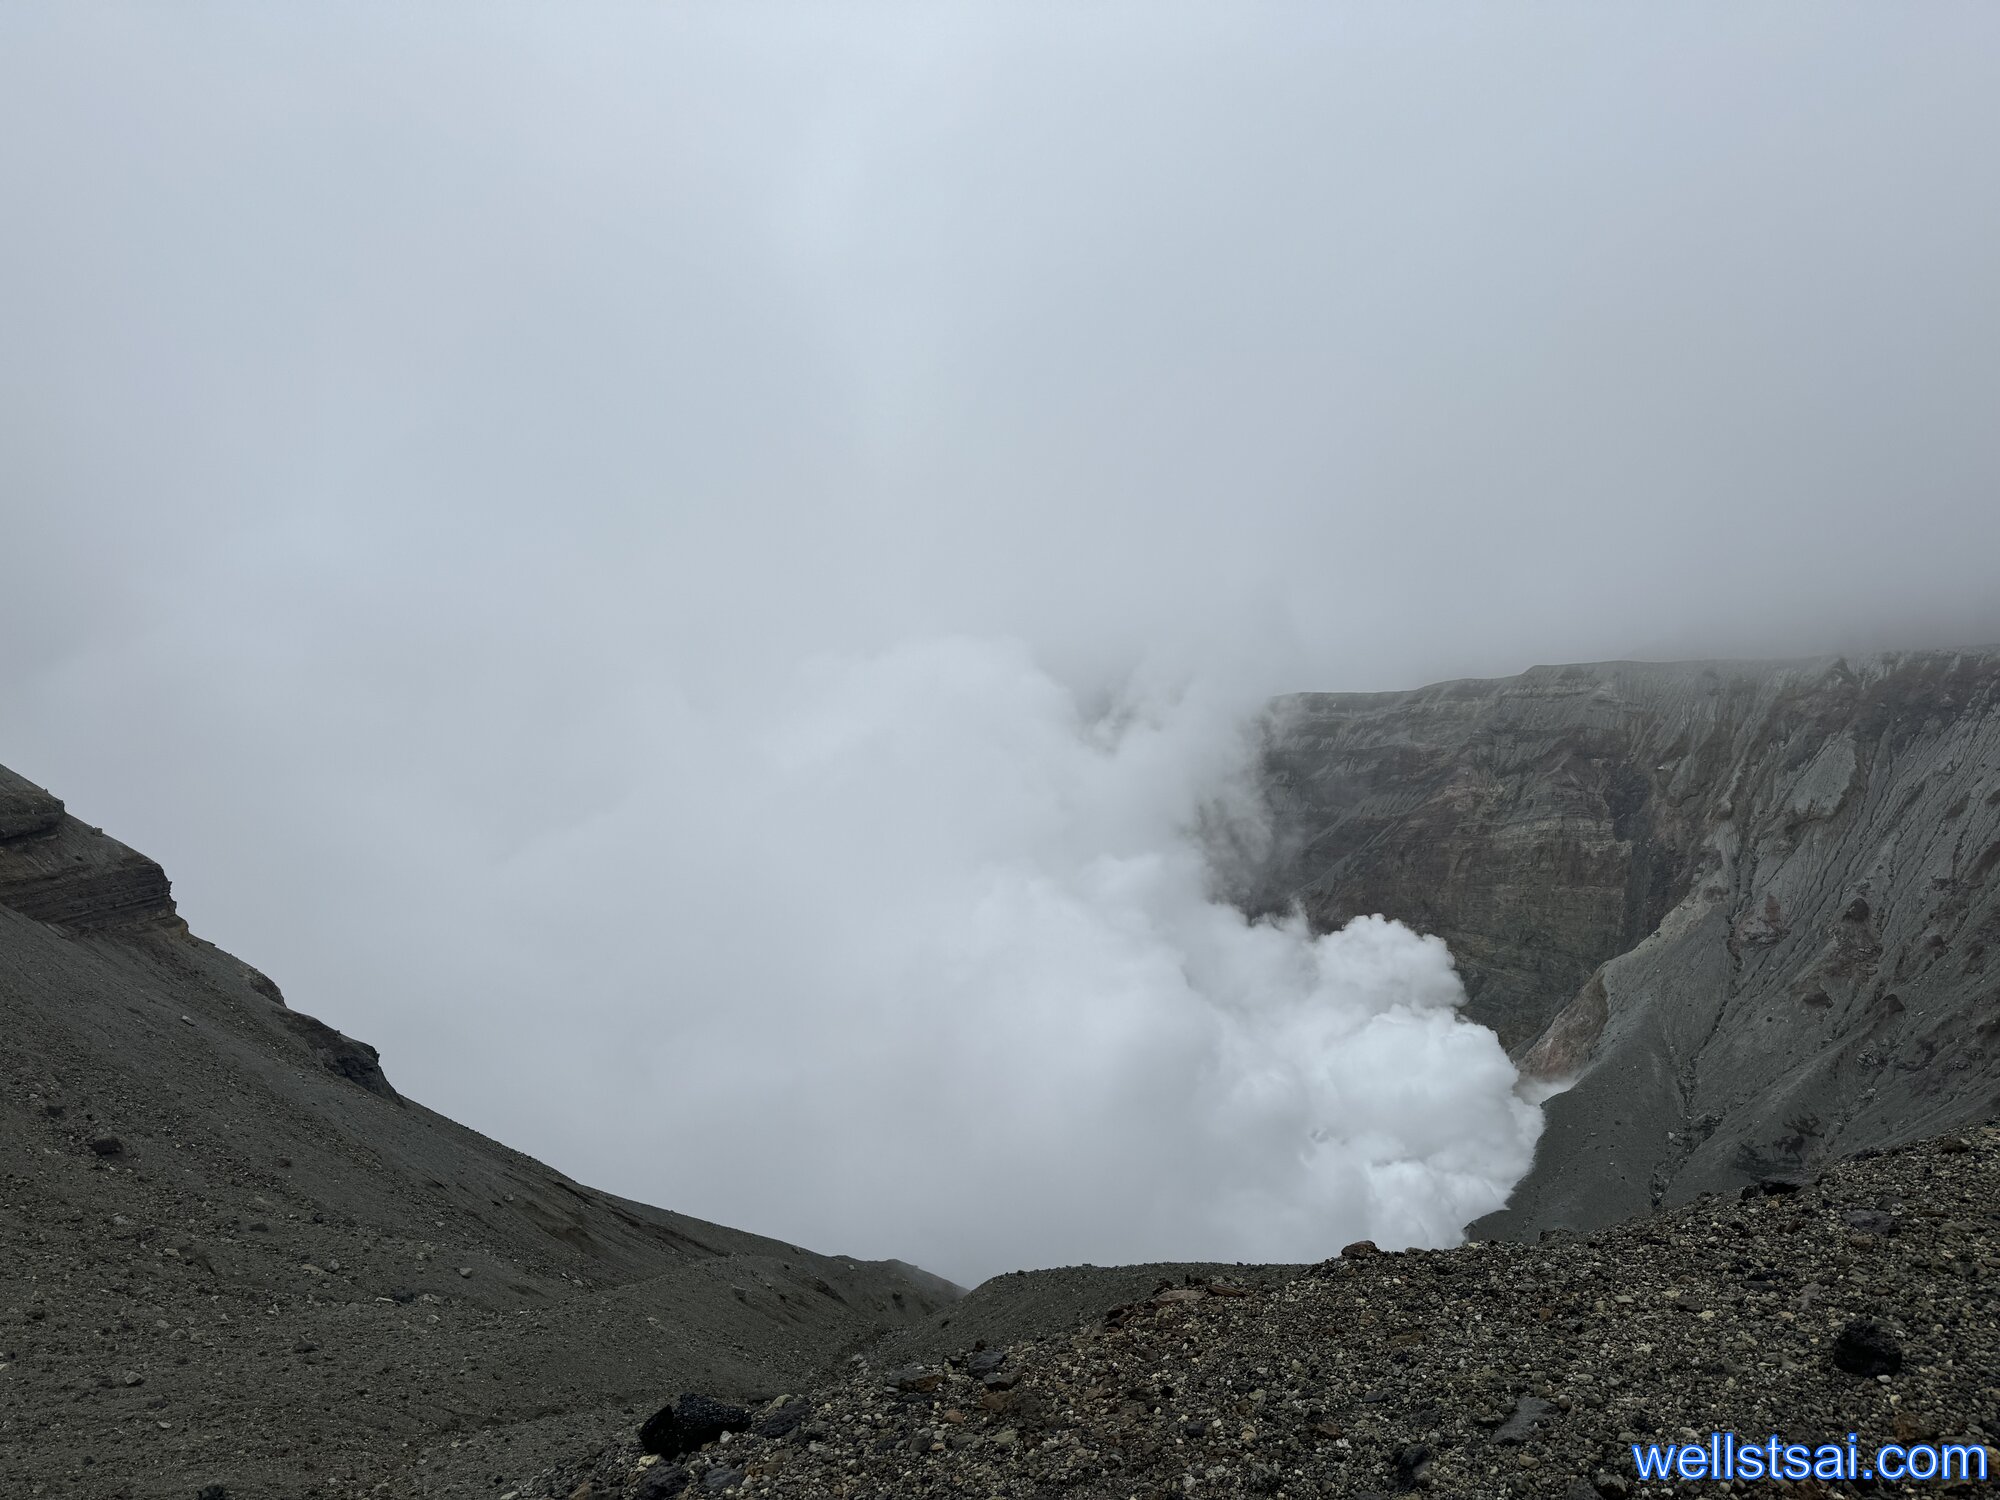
(596, 542)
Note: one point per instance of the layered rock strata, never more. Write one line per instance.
(1750, 909)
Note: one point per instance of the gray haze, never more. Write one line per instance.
(680, 569)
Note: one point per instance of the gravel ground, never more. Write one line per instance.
(283, 1280)
(1487, 1370)
(1023, 1304)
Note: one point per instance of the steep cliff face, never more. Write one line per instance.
(57, 870)
(1748, 907)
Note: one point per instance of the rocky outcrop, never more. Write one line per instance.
(58, 870)
(25, 808)
(1747, 907)
(341, 1055)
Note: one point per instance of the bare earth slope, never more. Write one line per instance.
(1749, 905)
(231, 1254)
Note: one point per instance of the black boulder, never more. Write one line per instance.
(688, 1423)
(1866, 1348)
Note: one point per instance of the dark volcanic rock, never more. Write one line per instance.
(341, 1055)
(1865, 1348)
(782, 1419)
(662, 1482)
(1529, 1413)
(1870, 1221)
(1411, 1463)
(689, 1423)
(984, 1362)
(914, 1378)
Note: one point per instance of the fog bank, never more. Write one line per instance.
(687, 571)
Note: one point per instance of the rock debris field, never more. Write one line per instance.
(1865, 1301)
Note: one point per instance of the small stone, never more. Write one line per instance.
(1411, 1464)
(914, 1378)
(782, 1420)
(985, 1361)
(1359, 1250)
(1864, 1347)
(131, 1378)
(107, 1145)
(1529, 1413)
(465, 1270)
(721, 1479)
(1953, 1145)
(1179, 1294)
(660, 1482)
(1870, 1221)
(1908, 1427)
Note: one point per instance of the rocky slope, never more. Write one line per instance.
(1744, 907)
(1747, 906)
(1863, 1303)
(232, 1255)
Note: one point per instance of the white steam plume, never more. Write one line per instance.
(939, 975)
